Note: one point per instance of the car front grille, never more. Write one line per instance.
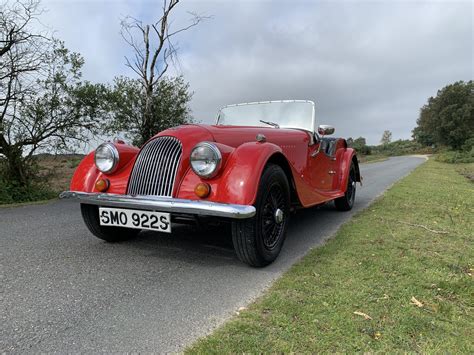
(155, 169)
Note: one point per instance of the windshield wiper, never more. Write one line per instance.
(276, 125)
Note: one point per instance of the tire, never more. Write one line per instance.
(90, 214)
(346, 202)
(258, 240)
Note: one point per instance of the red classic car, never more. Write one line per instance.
(256, 165)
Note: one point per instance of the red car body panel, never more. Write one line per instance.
(316, 178)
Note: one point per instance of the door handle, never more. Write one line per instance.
(331, 172)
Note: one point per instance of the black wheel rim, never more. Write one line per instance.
(273, 217)
(351, 187)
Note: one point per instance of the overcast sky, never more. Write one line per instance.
(368, 65)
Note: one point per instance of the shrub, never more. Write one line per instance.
(401, 147)
(13, 192)
(454, 156)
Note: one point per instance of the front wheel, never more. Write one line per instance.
(90, 214)
(258, 240)
(346, 202)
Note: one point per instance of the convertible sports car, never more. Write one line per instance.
(256, 165)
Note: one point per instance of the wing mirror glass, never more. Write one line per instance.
(324, 130)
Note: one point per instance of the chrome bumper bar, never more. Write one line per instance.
(162, 204)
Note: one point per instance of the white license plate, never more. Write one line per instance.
(118, 217)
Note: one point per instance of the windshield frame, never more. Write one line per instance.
(313, 114)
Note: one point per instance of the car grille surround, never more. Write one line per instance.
(154, 172)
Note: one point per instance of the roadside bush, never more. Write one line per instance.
(468, 145)
(454, 156)
(465, 155)
(401, 147)
(13, 192)
(10, 193)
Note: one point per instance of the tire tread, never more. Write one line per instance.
(244, 231)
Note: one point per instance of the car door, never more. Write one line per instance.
(321, 162)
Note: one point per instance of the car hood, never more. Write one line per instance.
(234, 136)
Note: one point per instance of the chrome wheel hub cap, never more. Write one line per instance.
(278, 216)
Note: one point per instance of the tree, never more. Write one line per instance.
(169, 107)
(448, 118)
(386, 137)
(43, 103)
(154, 50)
(21, 57)
(359, 144)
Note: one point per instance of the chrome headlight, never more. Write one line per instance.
(106, 157)
(206, 160)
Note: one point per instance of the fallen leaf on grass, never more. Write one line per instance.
(240, 310)
(384, 297)
(366, 316)
(416, 302)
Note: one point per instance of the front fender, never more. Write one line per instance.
(87, 174)
(240, 177)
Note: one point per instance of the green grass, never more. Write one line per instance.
(416, 241)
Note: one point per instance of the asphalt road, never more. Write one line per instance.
(63, 290)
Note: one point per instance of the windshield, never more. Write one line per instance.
(278, 114)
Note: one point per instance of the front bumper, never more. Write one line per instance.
(162, 204)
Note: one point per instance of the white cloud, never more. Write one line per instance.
(369, 66)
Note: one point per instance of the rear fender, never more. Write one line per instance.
(348, 156)
(239, 181)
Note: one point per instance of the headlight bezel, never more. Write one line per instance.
(115, 155)
(217, 158)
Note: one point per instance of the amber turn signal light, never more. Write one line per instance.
(202, 190)
(102, 185)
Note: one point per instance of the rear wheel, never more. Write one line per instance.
(258, 240)
(90, 214)
(346, 202)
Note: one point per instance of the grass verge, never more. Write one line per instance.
(399, 276)
(372, 158)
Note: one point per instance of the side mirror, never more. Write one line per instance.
(324, 130)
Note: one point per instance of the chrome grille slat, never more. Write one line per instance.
(166, 178)
(142, 170)
(175, 168)
(155, 151)
(139, 169)
(154, 172)
(173, 157)
(163, 164)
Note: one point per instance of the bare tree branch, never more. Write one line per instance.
(154, 50)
